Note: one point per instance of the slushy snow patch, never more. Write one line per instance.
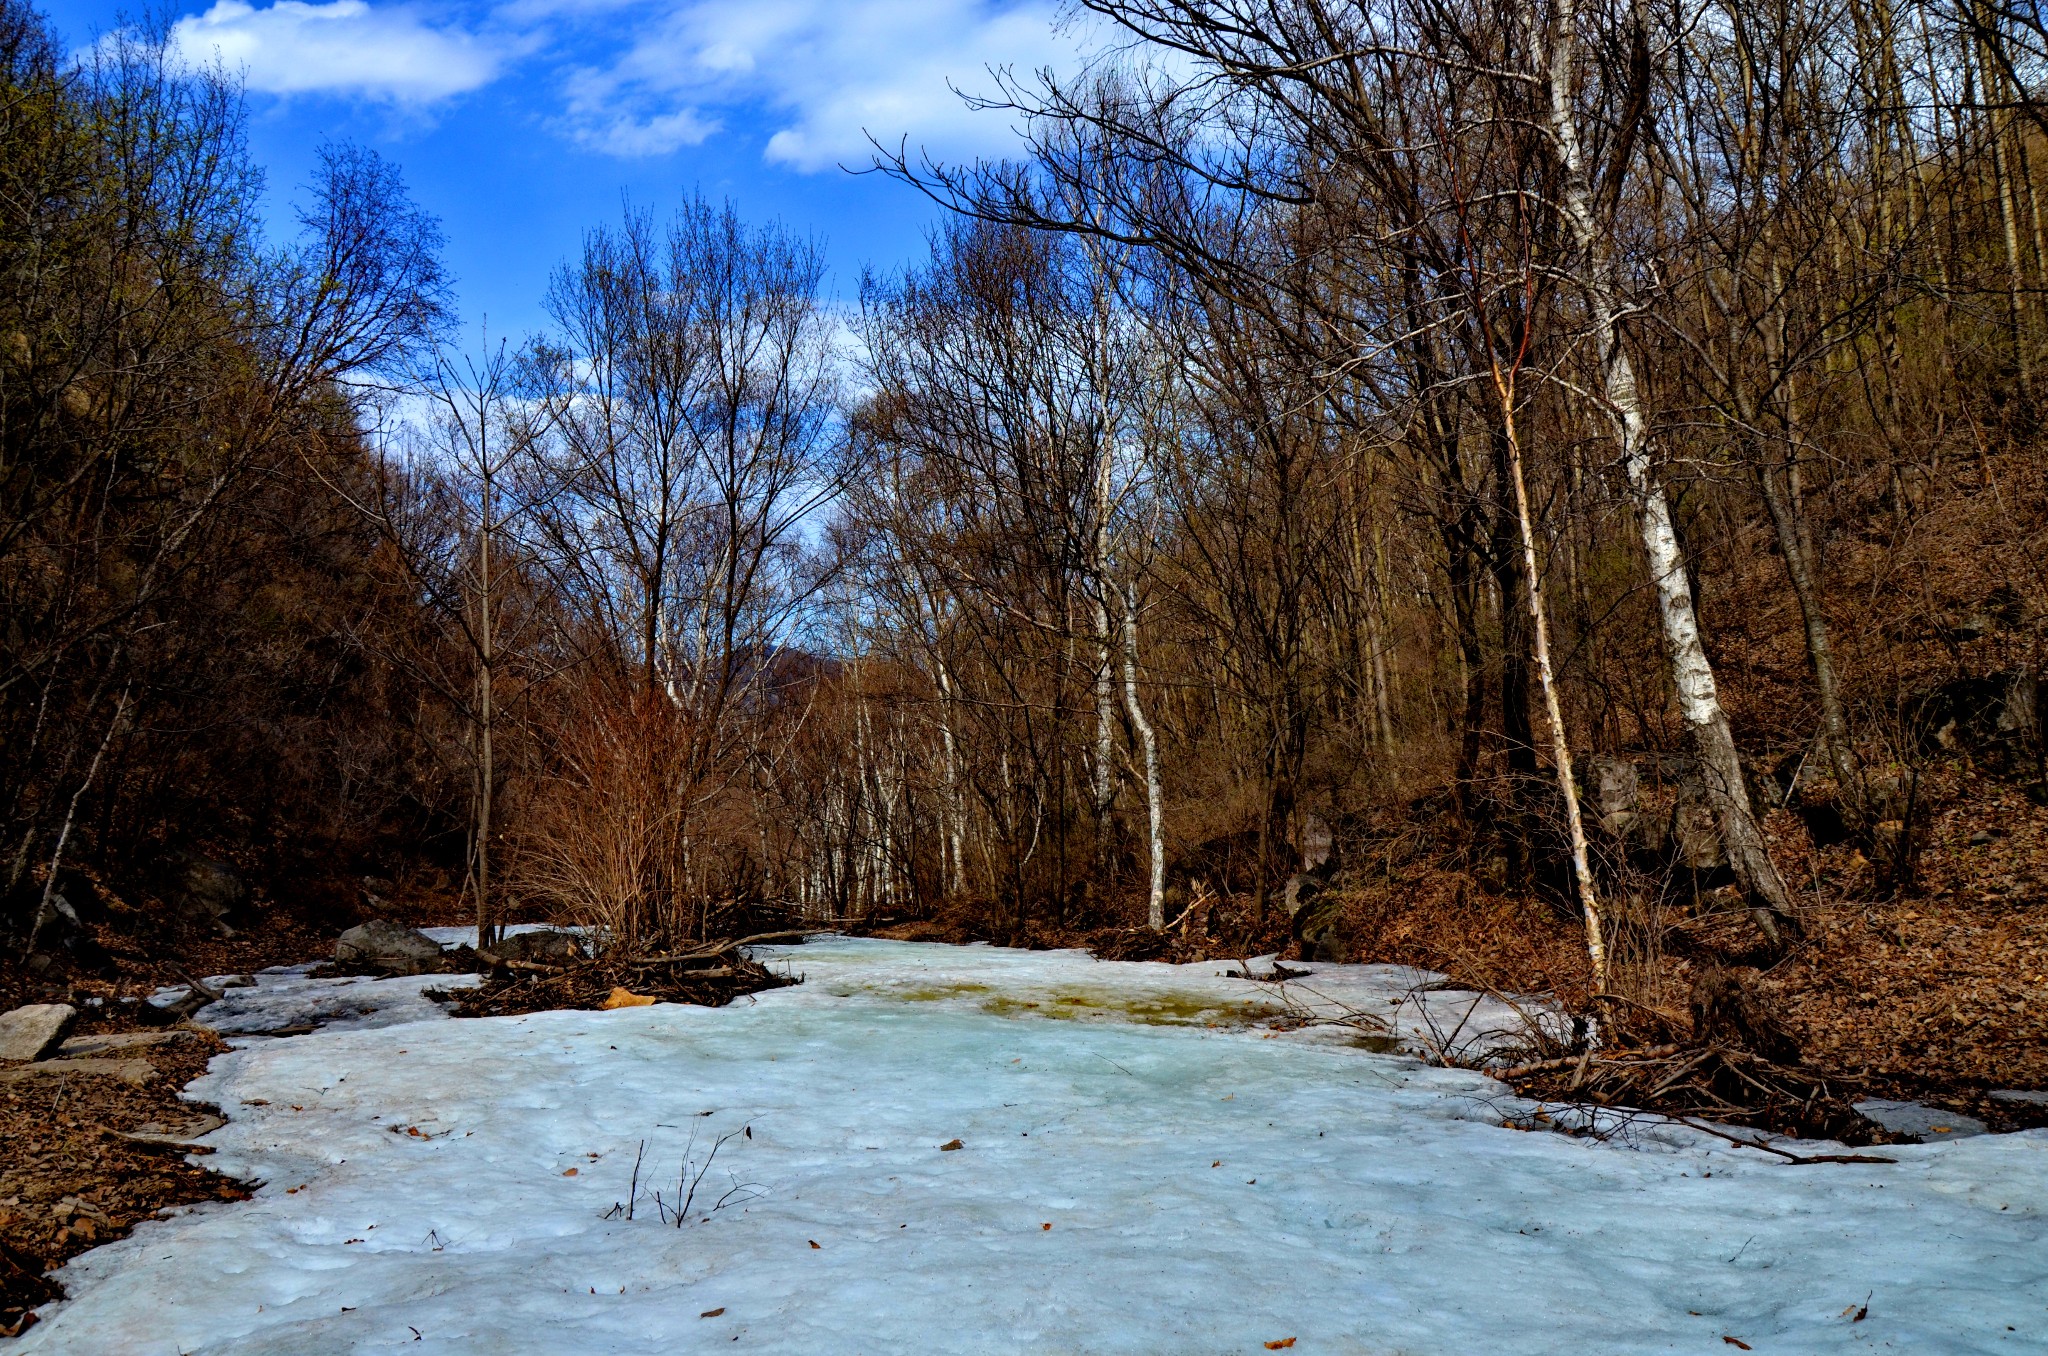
(1210, 1186)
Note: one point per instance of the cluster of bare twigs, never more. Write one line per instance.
(675, 1207)
(1722, 1083)
(1447, 1032)
(711, 974)
(1560, 1063)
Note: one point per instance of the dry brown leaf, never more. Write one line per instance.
(1280, 1345)
(951, 1145)
(714, 1313)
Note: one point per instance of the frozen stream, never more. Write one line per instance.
(434, 1185)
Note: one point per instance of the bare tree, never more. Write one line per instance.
(681, 440)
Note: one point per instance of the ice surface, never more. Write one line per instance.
(467, 936)
(1211, 1184)
(1918, 1118)
(289, 997)
(1414, 1006)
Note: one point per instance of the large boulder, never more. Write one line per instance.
(1316, 915)
(205, 892)
(32, 1032)
(1318, 843)
(1299, 892)
(1695, 837)
(546, 947)
(1617, 794)
(389, 948)
(1979, 714)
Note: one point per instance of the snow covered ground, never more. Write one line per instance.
(1144, 1166)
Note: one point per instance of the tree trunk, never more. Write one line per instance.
(45, 905)
(1793, 540)
(1511, 578)
(1560, 746)
(487, 658)
(1103, 785)
(1699, 700)
(1376, 613)
(1148, 741)
(956, 810)
(2008, 215)
(1464, 590)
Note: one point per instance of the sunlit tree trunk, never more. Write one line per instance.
(1692, 675)
(1560, 745)
(1148, 742)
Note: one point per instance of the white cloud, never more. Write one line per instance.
(647, 77)
(342, 47)
(623, 134)
(827, 72)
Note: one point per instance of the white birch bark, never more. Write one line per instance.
(1105, 724)
(46, 905)
(956, 811)
(1560, 746)
(1692, 675)
(1148, 741)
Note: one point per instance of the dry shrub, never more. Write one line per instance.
(606, 839)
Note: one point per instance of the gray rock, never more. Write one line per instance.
(1695, 837)
(546, 947)
(35, 1031)
(2016, 1095)
(1317, 842)
(50, 920)
(1299, 892)
(1617, 793)
(176, 1137)
(1916, 1118)
(119, 1042)
(381, 944)
(132, 1071)
(1317, 914)
(205, 892)
(32, 1032)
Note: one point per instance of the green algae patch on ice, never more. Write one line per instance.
(1142, 1009)
(1089, 1004)
(933, 993)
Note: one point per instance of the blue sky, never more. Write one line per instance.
(521, 123)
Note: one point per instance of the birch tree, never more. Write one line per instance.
(1588, 199)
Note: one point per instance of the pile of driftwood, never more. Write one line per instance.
(1720, 1083)
(1737, 1066)
(711, 974)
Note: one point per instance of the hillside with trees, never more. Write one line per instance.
(1551, 494)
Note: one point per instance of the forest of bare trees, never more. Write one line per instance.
(1497, 545)
(1418, 396)
(1590, 449)
(184, 650)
